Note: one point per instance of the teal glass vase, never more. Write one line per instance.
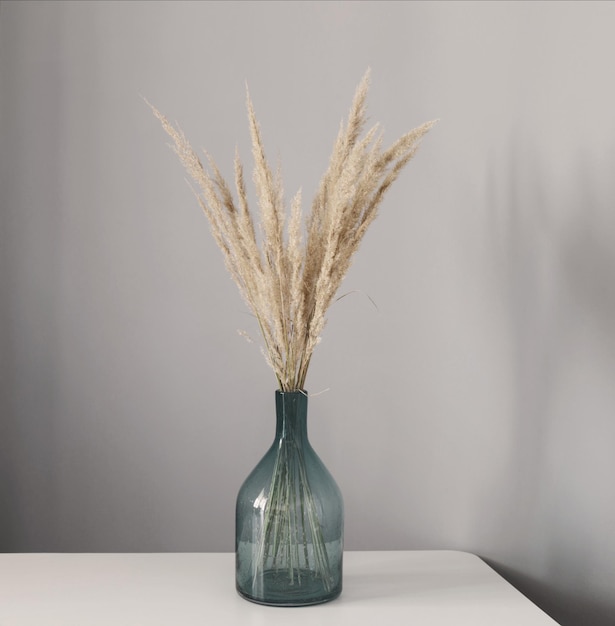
(289, 519)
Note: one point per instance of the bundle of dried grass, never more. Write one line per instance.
(290, 280)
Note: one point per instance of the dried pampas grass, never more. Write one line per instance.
(291, 278)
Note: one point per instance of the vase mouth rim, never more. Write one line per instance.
(301, 392)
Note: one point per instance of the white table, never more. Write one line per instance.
(426, 588)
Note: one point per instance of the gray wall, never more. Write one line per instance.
(472, 410)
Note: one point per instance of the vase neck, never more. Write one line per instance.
(291, 415)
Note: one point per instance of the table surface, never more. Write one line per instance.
(427, 588)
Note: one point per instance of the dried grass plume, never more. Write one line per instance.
(291, 277)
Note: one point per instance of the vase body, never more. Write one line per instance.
(289, 519)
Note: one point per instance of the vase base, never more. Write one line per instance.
(274, 590)
(290, 603)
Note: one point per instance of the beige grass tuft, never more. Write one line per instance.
(289, 282)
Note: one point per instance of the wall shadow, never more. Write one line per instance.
(554, 242)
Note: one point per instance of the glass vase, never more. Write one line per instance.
(289, 519)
